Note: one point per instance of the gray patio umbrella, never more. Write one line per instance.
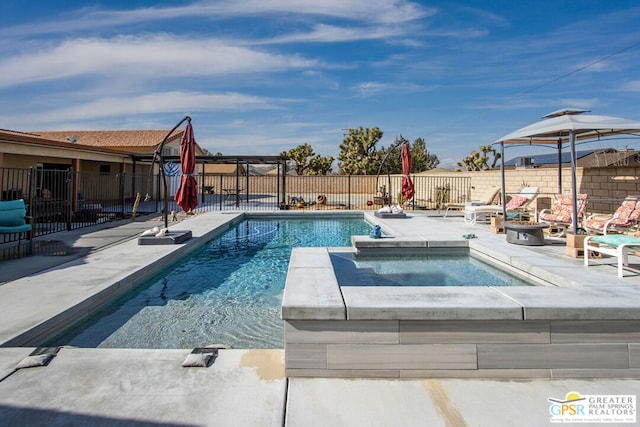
(566, 127)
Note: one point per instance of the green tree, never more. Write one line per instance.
(319, 165)
(485, 159)
(358, 153)
(209, 153)
(300, 157)
(421, 159)
(306, 162)
(391, 156)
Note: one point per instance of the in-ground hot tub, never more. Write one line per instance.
(435, 268)
(561, 330)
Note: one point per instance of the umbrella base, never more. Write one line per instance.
(390, 215)
(173, 237)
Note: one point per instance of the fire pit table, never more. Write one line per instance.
(525, 233)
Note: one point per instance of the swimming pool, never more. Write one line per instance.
(229, 292)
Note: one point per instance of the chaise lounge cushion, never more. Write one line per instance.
(516, 201)
(625, 217)
(562, 208)
(616, 240)
(13, 217)
(617, 245)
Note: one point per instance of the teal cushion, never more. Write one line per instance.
(11, 205)
(616, 239)
(12, 217)
(12, 213)
(15, 229)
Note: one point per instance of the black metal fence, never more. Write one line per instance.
(59, 200)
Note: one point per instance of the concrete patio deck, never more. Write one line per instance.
(241, 387)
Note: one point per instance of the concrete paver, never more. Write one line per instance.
(138, 387)
(59, 248)
(436, 402)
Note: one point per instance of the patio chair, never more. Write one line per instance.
(515, 207)
(487, 197)
(560, 215)
(617, 245)
(625, 218)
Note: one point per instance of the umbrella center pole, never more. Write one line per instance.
(386, 197)
(160, 156)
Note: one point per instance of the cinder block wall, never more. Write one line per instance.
(606, 187)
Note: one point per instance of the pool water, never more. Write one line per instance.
(420, 270)
(229, 292)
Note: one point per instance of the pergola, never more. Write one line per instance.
(566, 127)
(279, 161)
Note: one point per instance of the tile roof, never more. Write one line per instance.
(123, 139)
(33, 138)
(223, 169)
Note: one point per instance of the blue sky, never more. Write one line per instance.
(263, 76)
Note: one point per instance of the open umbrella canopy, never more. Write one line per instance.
(407, 188)
(187, 195)
(559, 125)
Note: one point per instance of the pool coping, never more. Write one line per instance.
(312, 291)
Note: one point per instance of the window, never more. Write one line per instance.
(105, 169)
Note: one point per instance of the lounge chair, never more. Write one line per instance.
(515, 207)
(560, 215)
(487, 197)
(617, 245)
(625, 218)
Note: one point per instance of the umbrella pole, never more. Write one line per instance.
(384, 160)
(503, 193)
(560, 166)
(574, 219)
(158, 153)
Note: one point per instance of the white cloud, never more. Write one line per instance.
(578, 102)
(632, 86)
(486, 15)
(369, 11)
(383, 11)
(323, 33)
(158, 102)
(262, 143)
(599, 66)
(371, 88)
(298, 126)
(160, 56)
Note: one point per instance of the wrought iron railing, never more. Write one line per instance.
(59, 200)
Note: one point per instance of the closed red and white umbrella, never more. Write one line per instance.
(187, 195)
(407, 188)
